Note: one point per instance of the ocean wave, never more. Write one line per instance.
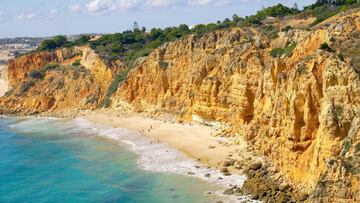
(159, 157)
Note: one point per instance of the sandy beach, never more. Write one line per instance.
(195, 141)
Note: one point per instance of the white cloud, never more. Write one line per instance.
(163, 3)
(38, 14)
(199, 2)
(27, 16)
(99, 6)
(96, 6)
(74, 7)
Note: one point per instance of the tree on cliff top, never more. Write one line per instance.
(56, 42)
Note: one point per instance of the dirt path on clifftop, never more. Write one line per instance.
(3, 82)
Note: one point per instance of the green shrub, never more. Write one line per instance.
(25, 87)
(287, 51)
(56, 42)
(341, 57)
(163, 64)
(274, 35)
(40, 74)
(49, 66)
(277, 52)
(286, 29)
(83, 39)
(35, 74)
(106, 103)
(76, 63)
(116, 82)
(357, 147)
(114, 87)
(346, 146)
(325, 46)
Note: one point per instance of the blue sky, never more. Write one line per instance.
(19, 18)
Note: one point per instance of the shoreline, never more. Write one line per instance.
(195, 141)
(162, 158)
(212, 159)
(261, 179)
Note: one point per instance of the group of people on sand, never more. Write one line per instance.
(142, 132)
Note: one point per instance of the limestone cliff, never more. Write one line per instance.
(300, 109)
(61, 87)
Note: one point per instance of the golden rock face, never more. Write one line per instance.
(65, 89)
(302, 111)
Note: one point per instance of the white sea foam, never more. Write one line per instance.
(159, 157)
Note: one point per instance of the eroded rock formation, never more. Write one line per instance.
(64, 89)
(300, 110)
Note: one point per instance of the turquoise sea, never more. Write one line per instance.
(51, 160)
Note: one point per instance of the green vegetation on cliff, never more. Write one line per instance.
(133, 44)
(113, 88)
(324, 9)
(40, 74)
(286, 51)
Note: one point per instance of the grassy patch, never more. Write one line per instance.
(114, 87)
(357, 147)
(287, 51)
(322, 10)
(76, 63)
(346, 146)
(325, 47)
(40, 74)
(25, 87)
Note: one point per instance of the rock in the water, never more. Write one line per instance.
(229, 191)
(228, 163)
(227, 174)
(224, 170)
(238, 192)
(207, 175)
